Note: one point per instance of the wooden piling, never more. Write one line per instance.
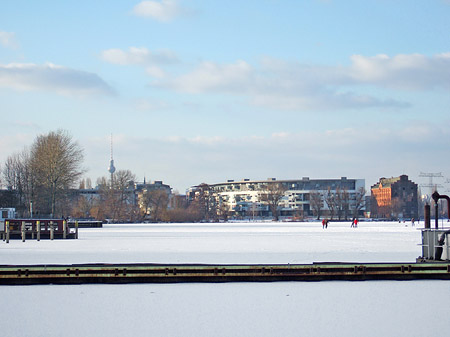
(7, 231)
(38, 228)
(427, 214)
(23, 231)
(52, 231)
(436, 215)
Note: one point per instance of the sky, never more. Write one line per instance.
(195, 91)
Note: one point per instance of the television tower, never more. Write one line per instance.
(111, 168)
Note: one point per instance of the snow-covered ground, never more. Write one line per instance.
(338, 308)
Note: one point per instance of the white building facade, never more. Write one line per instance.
(332, 198)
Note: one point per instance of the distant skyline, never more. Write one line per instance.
(205, 91)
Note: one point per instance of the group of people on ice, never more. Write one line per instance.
(353, 225)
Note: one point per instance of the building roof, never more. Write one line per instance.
(388, 182)
(304, 183)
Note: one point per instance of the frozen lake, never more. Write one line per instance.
(338, 308)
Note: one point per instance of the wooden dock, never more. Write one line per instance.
(38, 229)
(182, 273)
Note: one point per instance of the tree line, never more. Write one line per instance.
(38, 178)
(340, 204)
(45, 180)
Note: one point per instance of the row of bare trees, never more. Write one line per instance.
(272, 194)
(339, 202)
(41, 176)
(118, 200)
(212, 206)
(208, 204)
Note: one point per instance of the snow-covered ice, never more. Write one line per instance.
(337, 308)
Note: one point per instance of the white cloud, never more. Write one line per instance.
(212, 77)
(139, 56)
(155, 71)
(152, 61)
(146, 104)
(295, 86)
(51, 77)
(8, 40)
(411, 72)
(164, 10)
(207, 141)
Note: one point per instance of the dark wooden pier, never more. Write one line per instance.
(181, 273)
(38, 229)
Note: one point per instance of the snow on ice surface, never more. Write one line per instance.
(372, 308)
(224, 243)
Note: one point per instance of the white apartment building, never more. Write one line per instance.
(300, 196)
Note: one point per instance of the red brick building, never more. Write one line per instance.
(394, 198)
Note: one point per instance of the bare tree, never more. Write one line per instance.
(182, 211)
(360, 201)
(222, 208)
(205, 201)
(155, 203)
(19, 179)
(82, 185)
(316, 202)
(117, 199)
(330, 200)
(55, 161)
(88, 183)
(82, 208)
(272, 195)
(397, 207)
(343, 203)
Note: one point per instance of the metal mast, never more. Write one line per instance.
(430, 185)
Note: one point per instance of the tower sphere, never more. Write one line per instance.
(111, 168)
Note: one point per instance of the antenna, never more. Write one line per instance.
(111, 147)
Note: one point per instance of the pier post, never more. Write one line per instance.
(7, 231)
(38, 227)
(436, 214)
(52, 231)
(23, 231)
(427, 214)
